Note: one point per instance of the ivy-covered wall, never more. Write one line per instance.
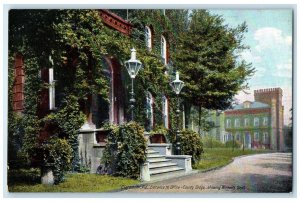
(77, 40)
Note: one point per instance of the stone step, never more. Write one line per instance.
(157, 166)
(165, 170)
(155, 160)
(155, 156)
(150, 151)
(166, 174)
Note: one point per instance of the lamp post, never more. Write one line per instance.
(177, 85)
(133, 66)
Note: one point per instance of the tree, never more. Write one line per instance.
(206, 56)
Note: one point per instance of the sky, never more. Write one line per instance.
(269, 38)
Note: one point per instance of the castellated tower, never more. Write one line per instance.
(273, 97)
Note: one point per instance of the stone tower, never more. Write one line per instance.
(273, 97)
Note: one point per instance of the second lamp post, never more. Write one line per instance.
(133, 66)
(177, 85)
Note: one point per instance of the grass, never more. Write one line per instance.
(29, 181)
(216, 157)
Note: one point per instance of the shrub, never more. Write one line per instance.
(58, 154)
(125, 150)
(191, 144)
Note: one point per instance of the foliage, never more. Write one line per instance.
(153, 78)
(57, 153)
(69, 119)
(29, 181)
(16, 157)
(211, 142)
(159, 129)
(77, 41)
(23, 176)
(216, 157)
(191, 143)
(125, 150)
(207, 60)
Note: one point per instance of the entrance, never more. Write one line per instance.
(247, 140)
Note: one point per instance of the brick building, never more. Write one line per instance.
(91, 135)
(257, 124)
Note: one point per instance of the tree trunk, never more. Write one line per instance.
(233, 142)
(199, 121)
(187, 114)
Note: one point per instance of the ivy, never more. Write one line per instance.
(69, 119)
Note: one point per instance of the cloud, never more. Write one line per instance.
(284, 70)
(260, 72)
(270, 37)
(249, 56)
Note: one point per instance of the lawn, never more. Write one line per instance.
(29, 181)
(216, 157)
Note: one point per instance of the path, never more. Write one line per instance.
(255, 173)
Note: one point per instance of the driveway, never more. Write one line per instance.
(255, 173)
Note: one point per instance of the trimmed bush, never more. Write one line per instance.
(125, 150)
(191, 144)
(57, 153)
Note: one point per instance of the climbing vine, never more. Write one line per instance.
(78, 42)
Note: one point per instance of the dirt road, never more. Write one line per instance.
(256, 173)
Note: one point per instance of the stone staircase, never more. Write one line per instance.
(161, 164)
(162, 168)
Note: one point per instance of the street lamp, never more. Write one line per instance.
(177, 85)
(133, 66)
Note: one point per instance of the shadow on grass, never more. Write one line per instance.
(22, 176)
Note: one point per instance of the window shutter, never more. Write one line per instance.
(19, 82)
(51, 89)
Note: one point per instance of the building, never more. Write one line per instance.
(257, 124)
(97, 110)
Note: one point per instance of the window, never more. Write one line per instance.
(237, 122)
(246, 121)
(51, 89)
(256, 121)
(265, 121)
(164, 50)
(256, 136)
(165, 111)
(247, 104)
(227, 137)
(228, 123)
(266, 138)
(148, 37)
(149, 110)
(238, 136)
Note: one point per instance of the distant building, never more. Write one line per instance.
(257, 124)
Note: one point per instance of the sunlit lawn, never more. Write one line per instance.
(216, 157)
(29, 181)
